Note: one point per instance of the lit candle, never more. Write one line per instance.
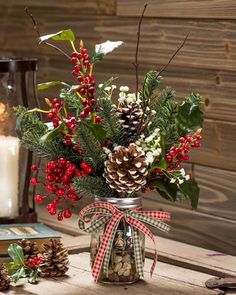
(9, 158)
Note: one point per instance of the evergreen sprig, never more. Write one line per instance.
(112, 125)
(92, 186)
(71, 99)
(93, 152)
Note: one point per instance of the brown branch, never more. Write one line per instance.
(39, 35)
(173, 56)
(135, 63)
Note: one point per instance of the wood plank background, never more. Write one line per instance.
(206, 64)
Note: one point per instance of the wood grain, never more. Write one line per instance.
(179, 8)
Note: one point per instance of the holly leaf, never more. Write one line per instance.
(51, 135)
(33, 277)
(98, 131)
(168, 191)
(19, 274)
(101, 50)
(43, 86)
(65, 35)
(16, 253)
(12, 266)
(191, 190)
(189, 116)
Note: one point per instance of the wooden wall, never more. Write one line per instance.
(207, 64)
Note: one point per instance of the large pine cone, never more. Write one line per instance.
(55, 259)
(29, 247)
(126, 169)
(129, 115)
(4, 279)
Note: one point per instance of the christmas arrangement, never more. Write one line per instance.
(112, 144)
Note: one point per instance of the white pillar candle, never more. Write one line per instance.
(9, 162)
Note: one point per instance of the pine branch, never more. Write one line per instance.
(71, 99)
(112, 125)
(93, 153)
(92, 186)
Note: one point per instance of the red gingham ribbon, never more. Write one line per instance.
(116, 216)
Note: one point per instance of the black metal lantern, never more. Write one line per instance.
(17, 84)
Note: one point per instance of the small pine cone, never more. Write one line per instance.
(129, 115)
(54, 259)
(4, 279)
(126, 169)
(29, 247)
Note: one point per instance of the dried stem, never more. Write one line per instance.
(135, 63)
(173, 56)
(39, 35)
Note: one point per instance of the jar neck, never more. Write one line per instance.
(122, 203)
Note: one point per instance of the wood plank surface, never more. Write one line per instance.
(167, 280)
(179, 8)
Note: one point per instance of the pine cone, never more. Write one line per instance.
(29, 247)
(4, 279)
(55, 259)
(129, 115)
(126, 169)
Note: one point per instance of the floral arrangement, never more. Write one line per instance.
(99, 140)
(102, 141)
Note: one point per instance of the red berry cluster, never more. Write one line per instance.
(176, 155)
(86, 82)
(34, 262)
(58, 180)
(54, 113)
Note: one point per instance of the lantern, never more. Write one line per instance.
(17, 84)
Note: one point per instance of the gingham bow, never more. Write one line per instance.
(108, 214)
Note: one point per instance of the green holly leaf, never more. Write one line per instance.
(101, 50)
(98, 131)
(65, 35)
(43, 86)
(189, 117)
(19, 274)
(16, 253)
(33, 277)
(51, 135)
(12, 266)
(191, 190)
(167, 190)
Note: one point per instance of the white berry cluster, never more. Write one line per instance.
(180, 177)
(151, 145)
(128, 97)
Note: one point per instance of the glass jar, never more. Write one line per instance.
(122, 267)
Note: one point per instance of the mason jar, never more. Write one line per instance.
(122, 267)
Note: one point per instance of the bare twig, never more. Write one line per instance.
(135, 63)
(39, 35)
(173, 56)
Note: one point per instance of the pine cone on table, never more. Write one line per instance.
(55, 259)
(4, 279)
(29, 247)
(126, 169)
(129, 115)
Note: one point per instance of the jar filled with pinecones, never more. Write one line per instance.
(122, 267)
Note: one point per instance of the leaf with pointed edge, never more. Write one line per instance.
(43, 86)
(49, 136)
(12, 267)
(103, 49)
(167, 190)
(191, 190)
(16, 253)
(19, 274)
(98, 131)
(64, 35)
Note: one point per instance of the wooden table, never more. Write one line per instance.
(167, 280)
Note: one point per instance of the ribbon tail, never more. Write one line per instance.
(137, 251)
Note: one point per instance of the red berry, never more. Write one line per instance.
(49, 206)
(198, 136)
(38, 198)
(74, 60)
(49, 178)
(189, 138)
(84, 51)
(74, 73)
(77, 68)
(86, 63)
(49, 187)
(89, 170)
(67, 213)
(50, 115)
(79, 55)
(33, 181)
(74, 54)
(62, 161)
(181, 139)
(55, 188)
(68, 142)
(59, 217)
(85, 56)
(34, 168)
(55, 100)
(91, 89)
(168, 159)
(82, 91)
(80, 79)
(53, 210)
(186, 157)
(87, 109)
(98, 119)
(177, 164)
(60, 192)
(83, 115)
(84, 165)
(52, 164)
